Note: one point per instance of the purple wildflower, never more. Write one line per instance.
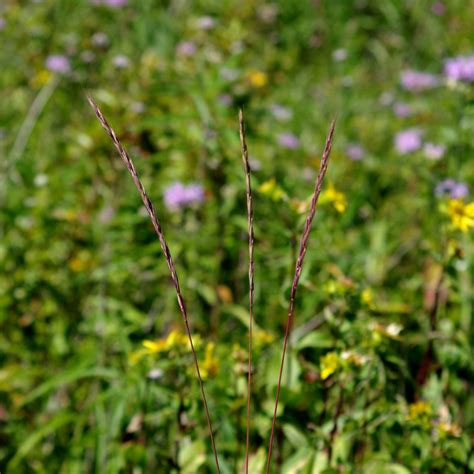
(2, 23)
(281, 112)
(433, 151)
(121, 61)
(454, 189)
(178, 195)
(355, 152)
(288, 140)
(194, 193)
(408, 140)
(115, 3)
(438, 8)
(459, 191)
(225, 99)
(416, 81)
(402, 110)
(460, 68)
(58, 63)
(205, 22)
(100, 39)
(186, 48)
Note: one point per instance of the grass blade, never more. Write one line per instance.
(164, 246)
(248, 186)
(299, 264)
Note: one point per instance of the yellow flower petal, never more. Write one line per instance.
(257, 79)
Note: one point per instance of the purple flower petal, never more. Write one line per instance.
(178, 195)
(355, 152)
(100, 39)
(460, 190)
(58, 63)
(433, 151)
(438, 8)
(288, 140)
(452, 188)
(416, 81)
(186, 48)
(408, 140)
(460, 68)
(281, 112)
(115, 3)
(205, 22)
(402, 110)
(121, 61)
(225, 99)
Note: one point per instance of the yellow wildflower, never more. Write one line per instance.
(461, 214)
(331, 287)
(334, 197)
(263, 338)
(449, 429)
(154, 347)
(367, 298)
(41, 78)
(210, 366)
(257, 78)
(419, 411)
(68, 215)
(174, 340)
(271, 189)
(329, 364)
(81, 262)
(150, 61)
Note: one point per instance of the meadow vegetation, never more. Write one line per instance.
(96, 371)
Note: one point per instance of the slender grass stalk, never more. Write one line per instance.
(245, 159)
(164, 246)
(29, 123)
(299, 264)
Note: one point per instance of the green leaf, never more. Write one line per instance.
(257, 461)
(296, 463)
(191, 456)
(386, 468)
(31, 441)
(294, 436)
(68, 377)
(315, 339)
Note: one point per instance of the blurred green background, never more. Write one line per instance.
(95, 375)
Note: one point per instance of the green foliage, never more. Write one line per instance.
(95, 373)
